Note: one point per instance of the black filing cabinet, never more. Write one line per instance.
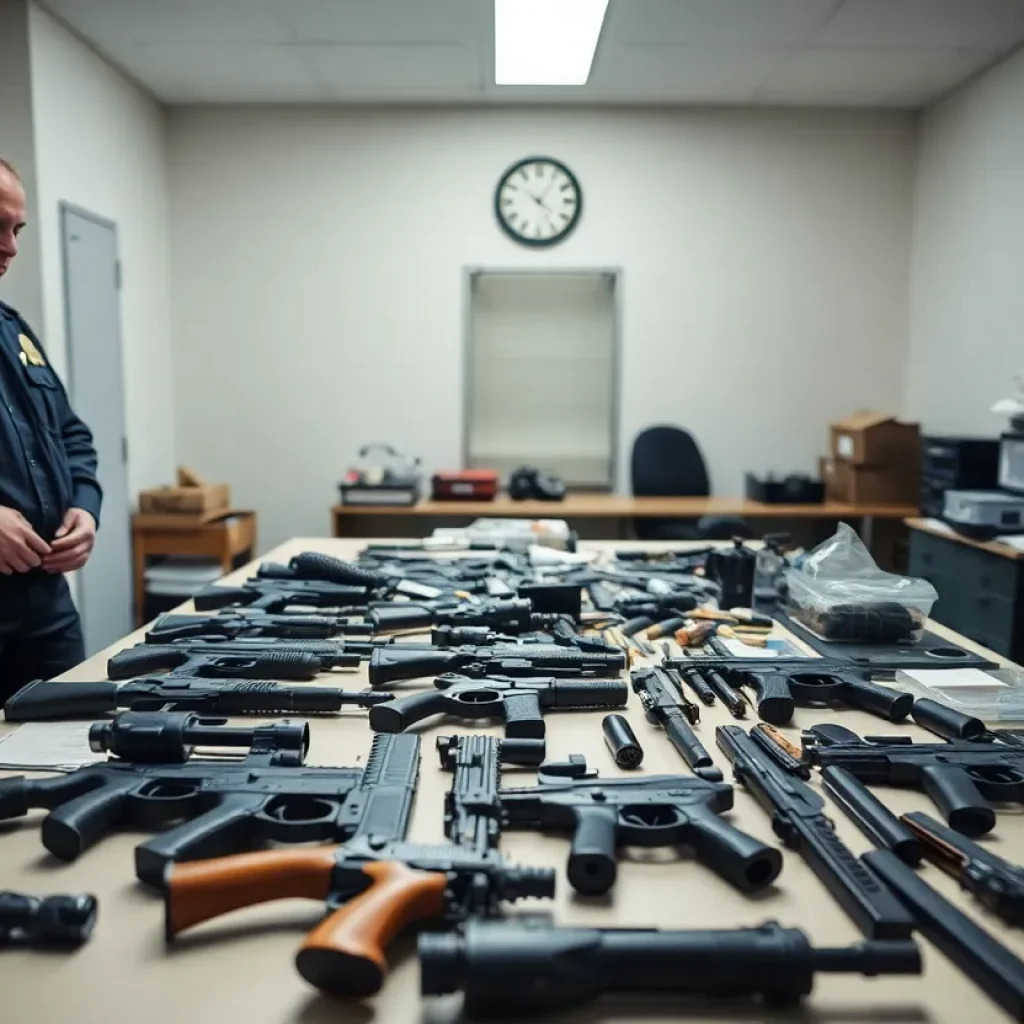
(981, 593)
(956, 464)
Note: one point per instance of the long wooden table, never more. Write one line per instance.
(241, 967)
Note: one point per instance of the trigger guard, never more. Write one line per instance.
(631, 818)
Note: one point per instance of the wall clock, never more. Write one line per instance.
(538, 201)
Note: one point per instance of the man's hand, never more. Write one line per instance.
(21, 548)
(73, 543)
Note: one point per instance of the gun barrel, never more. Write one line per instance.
(496, 963)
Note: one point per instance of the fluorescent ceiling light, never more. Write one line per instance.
(546, 42)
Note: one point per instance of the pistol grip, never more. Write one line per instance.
(774, 699)
(398, 714)
(740, 859)
(592, 868)
(202, 890)
(959, 799)
(345, 953)
(523, 720)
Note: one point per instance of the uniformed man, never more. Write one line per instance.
(49, 497)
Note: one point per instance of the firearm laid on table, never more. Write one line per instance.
(275, 596)
(798, 820)
(228, 625)
(376, 884)
(518, 701)
(514, 615)
(960, 776)
(602, 815)
(527, 965)
(782, 684)
(295, 660)
(45, 700)
(662, 706)
(424, 581)
(62, 921)
(992, 879)
(562, 632)
(396, 663)
(214, 805)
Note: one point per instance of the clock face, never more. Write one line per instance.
(538, 201)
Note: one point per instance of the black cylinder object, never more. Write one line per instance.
(870, 815)
(733, 570)
(530, 966)
(622, 742)
(65, 920)
(157, 737)
(945, 722)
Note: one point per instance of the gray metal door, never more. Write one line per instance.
(95, 384)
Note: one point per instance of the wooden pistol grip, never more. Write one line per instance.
(204, 889)
(344, 954)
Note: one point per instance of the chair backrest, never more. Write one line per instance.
(667, 463)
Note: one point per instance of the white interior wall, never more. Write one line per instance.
(318, 257)
(100, 145)
(967, 336)
(22, 285)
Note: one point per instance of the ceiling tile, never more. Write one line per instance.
(663, 74)
(995, 25)
(864, 77)
(394, 72)
(223, 74)
(160, 21)
(383, 21)
(721, 22)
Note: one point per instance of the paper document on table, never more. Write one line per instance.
(955, 678)
(1016, 541)
(57, 746)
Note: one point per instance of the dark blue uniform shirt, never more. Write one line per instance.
(47, 458)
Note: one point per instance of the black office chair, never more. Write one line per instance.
(668, 464)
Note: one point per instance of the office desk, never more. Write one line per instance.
(223, 535)
(614, 512)
(980, 584)
(240, 968)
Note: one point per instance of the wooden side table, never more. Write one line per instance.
(224, 535)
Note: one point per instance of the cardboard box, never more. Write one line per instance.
(192, 496)
(869, 485)
(876, 439)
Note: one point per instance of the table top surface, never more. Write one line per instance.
(241, 967)
(993, 547)
(621, 505)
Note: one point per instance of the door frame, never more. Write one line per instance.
(65, 209)
(614, 275)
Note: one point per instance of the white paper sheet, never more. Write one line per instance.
(955, 678)
(57, 746)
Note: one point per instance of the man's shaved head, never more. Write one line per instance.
(12, 213)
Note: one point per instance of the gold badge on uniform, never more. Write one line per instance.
(29, 353)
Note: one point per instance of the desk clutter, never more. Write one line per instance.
(510, 630)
